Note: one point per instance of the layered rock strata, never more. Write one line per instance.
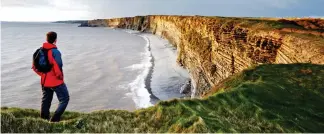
(214, 48)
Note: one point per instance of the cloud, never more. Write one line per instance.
(59, 4)
(277, 3)
(92, 9)
(68, 4)
(43, 10)
(47, 14)
(24, 3)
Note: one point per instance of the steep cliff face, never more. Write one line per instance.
(214, 48)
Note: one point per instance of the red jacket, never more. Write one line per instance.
(55, 76)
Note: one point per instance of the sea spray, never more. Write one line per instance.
(140, 93)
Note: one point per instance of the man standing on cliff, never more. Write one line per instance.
(52, 79)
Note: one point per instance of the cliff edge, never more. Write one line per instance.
(214, 48)
(268, 98)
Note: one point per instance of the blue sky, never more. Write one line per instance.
(51, 10)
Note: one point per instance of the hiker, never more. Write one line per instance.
(48, 64)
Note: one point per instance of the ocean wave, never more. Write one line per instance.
(137, 66)
(131, 31)
(140, 94)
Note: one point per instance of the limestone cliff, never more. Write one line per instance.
(214, 48)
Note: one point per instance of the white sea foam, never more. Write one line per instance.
(131, 31)
(138, 66)
(141, 96)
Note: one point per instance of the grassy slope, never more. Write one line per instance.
(267, 98)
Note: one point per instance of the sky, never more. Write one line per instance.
(53, 10)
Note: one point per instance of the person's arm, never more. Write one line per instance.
(57, 63)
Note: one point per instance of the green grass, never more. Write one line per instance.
(266, 98)
(261, 23)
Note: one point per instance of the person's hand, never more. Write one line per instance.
(60, 76)
(36, 71)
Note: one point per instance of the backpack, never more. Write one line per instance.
(40, 60)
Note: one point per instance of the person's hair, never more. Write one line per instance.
(51, 37)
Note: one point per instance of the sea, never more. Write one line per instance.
(104, 68)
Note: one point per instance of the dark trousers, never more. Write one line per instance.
(63, 97)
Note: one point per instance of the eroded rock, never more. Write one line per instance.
(186, 87)
(214, 48)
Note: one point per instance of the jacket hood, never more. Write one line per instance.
(47, 45)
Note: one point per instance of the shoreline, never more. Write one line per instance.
(164, 77)
(148, 78)
(145, 80)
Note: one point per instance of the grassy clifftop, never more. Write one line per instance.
(266, 98)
